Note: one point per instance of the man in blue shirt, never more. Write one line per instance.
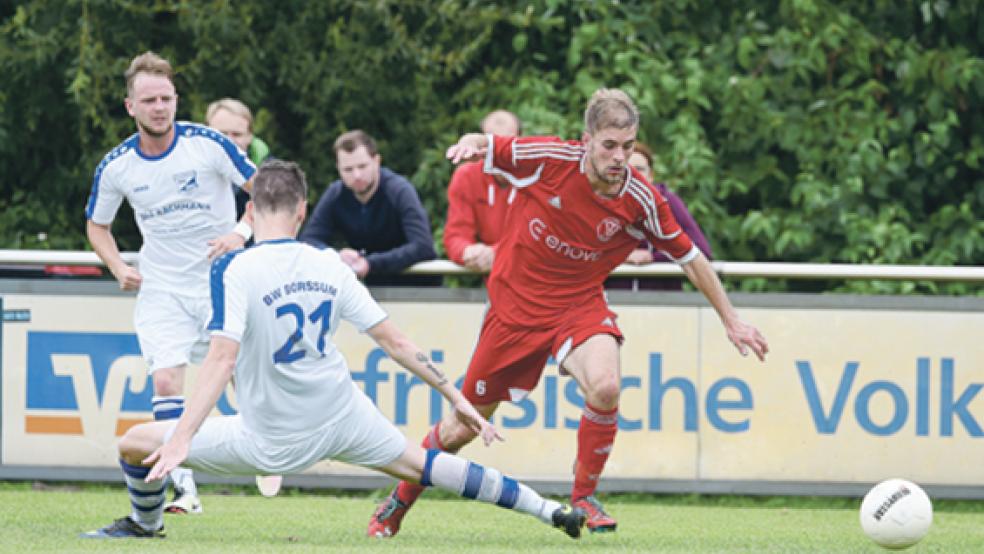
(376, 212)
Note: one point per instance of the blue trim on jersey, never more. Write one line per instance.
(137, 472)
(122, 148)
(239, 158)
(425, 475)
(276, 241)
(473, 482)
(217, 287)
(162, 155)
(509, 494)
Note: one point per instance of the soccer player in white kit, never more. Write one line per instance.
(176, 176)
(275, 308)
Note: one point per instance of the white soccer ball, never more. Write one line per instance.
(896, 513)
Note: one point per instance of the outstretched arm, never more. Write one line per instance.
(469, 148)
(741, 334)
(102, 241)
(214, 375)
(407, 354)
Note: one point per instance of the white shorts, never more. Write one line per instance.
(362, 437)
(171, 328)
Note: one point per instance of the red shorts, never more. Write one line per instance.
(509, 360)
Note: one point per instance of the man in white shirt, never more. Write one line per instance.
(176, 176)
(275, 308)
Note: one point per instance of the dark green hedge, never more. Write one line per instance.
(800, 130)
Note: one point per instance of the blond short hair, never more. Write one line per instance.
(148, 62)
(233, 106)
(610, 108)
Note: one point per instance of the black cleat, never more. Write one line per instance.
(569, 520)
(124, 528)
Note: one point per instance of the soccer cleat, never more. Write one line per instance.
(269, 485)
(386, 521)
(124, 528)
(598, 520)
(569, 520)
(184, 503)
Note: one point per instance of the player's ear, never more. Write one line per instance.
(301, 212)
(378, 158)
(250, 209)
(128, 104)
(585, 137)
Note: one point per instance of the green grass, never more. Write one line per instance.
(35, 518)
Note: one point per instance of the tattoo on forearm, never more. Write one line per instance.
(441, 379)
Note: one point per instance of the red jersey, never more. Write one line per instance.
(477, 206)
(561, 239)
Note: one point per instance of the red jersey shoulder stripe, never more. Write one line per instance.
(644, 196)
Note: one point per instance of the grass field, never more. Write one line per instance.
(35, 518)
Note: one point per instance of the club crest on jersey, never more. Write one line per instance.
(187, 181)
(607, 228)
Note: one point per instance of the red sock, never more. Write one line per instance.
(595, 437)
(408, 492)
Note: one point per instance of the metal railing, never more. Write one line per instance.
(770, 270)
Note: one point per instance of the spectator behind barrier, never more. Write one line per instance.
(478, 203)
(376, 213)
(233, 118)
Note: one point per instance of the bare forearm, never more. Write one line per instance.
(409, 355)
(212, 380)
(703, 276)
(104, 244)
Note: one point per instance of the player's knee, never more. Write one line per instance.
(129, 448)
(605, 393)
(136, 444)
(167, 383)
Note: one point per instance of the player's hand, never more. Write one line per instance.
(478, 257)
(469, 416)
(166, 458)
(226, 243)
(745, 336)
(639, 256)
(356, 261)
(462, 152)
(128, 277)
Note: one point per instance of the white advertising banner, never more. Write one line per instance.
(845, 395)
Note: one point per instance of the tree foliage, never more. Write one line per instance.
(795, 130)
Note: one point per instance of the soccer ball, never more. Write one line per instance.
(896, 513)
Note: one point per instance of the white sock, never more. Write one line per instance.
(471, 480)
(166, 408)
(147, 499)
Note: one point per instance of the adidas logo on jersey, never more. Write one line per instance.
(555, 202)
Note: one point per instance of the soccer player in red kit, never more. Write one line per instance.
(579, 211)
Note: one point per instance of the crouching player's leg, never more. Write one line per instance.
(470, 480)
(448, 435)
(146, 519)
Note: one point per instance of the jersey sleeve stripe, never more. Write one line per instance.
(644, 196)
(237, 156)
(114, 154)
(217, 287)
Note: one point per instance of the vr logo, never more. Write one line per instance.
(81, 383)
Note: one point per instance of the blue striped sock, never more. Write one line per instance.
(167, 408)
(486, 484)
(147, 499)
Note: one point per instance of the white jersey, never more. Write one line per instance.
(181, 199)
(282, 301)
